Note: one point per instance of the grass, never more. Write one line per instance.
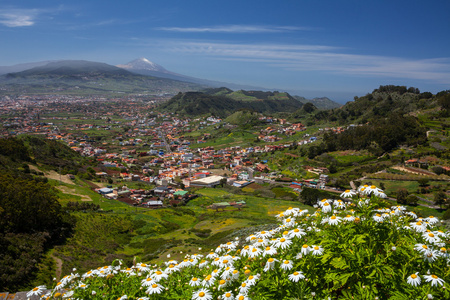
(125, 231)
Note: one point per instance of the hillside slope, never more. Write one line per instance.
(224, 104)
(78, 77)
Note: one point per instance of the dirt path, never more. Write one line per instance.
(67, 190)
(53, 175)
(58, 267)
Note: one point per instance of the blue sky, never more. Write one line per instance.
(311, 48)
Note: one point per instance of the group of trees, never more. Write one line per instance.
(31, 220)
(380, 137)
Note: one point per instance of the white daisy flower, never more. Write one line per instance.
(254, 252)
(265, 234)
(270, 264)
(334, 220)
(208, 281)
(195, 282)
(36, 291)
(154, 289)
(435, 281)
(244, 287)
(305, 249)
(432, 220)
(269, 251)
(349, 218)
(251, 280)
(227, 296)
(147, 281)
(212, 255)
(242, 297)
(326, 208)
(422, 248)
(348, 194)
(282, 243)
(82, 285)
(378, 218)
(286, 265)
(339, 204)
(296, 232)
(431, 238)
(296, 276)
(203, 264)
(431, 255)
(414, 279)
(158, 275)
(171, 269)
(201, 294)
(227, 273)
(317, 250)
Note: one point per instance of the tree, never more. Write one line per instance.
(402, 194)
(412, 200)
(423, 181)
(440, 198)
(309, 196)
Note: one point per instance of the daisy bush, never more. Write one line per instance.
(353, 249)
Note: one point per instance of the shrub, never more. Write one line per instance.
(357, 250)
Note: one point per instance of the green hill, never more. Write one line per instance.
(381, 103)
(84, 77)
(221, 102)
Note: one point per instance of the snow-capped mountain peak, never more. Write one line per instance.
(143, 64)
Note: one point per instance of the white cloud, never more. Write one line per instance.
(18, 17)
(235, 29)
(322, 58)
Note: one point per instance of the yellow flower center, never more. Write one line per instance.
(148, 279)
(229, 243)
(222, 282)
(246, 247)
(171, 266)
(286, 262)
(254, 250)
(208, 278)
(326, 204)
(443, 250)
(305, 246)
(263, 232)
(225, 261)
(413, 276)
(267, 248)
(201, 294)
(270, 260)
(282, 240)
(316, 248)
(194, 279)
(431, 235)
(347, 191)
(424, 247)
(235, 271)
(378, 215)
(35, 289)
(158, 272)
(241, 297)
(154, 285)
(228, 295)
(434, 276)
(333, 217)
(143, 265)
(250, 277)
(243, 284)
